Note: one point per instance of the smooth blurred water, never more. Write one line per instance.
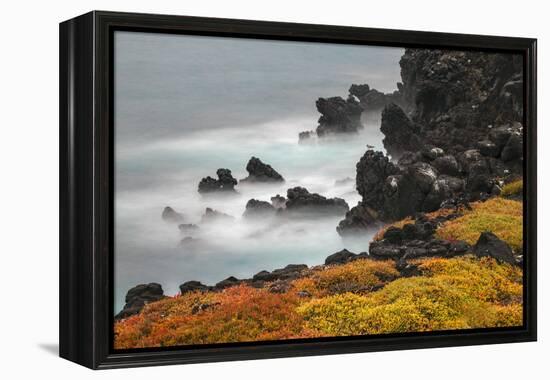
(160, 161)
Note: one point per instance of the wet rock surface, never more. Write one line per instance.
(301, 201)
(259, 209)
(261, 172)
(224, 183)
(338, 116)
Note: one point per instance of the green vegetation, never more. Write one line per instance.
(503, 217)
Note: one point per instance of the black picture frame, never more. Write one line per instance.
(86, 188)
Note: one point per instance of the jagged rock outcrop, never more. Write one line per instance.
(337, 116)
(357, 220)
(490, 245)
(224, 183)
(393, 191)
(340, 257)
(171, 216)
(290, 272)
(302, 202)
(456, 97)
(260, 172)
(401, 133)
(371, 99)
(193, 286)
(258, 209)
(139, 296)
(415, 240)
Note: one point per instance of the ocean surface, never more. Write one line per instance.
(186, 106)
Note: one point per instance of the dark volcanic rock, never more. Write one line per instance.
(446, 165)
(299, 200)
(488, 148)
(372, 99)
(192, 286)
(171, 216)
(340, 257)
(138, 297)
(513, 150)
(290, 272)
(225, 182)
(357, 220)
(211, 215)
(260, 172)
(338, 116)
(489, 244)
(255, 208)
(228, 282)
(372, 171)
(401, 133)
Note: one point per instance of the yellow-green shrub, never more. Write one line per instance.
(503, 217)
(450, 296)
(361, 275)
(512, 188)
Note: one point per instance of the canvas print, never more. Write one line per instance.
(273, 190)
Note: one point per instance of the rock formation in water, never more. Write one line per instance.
(301, 201)
(456, 136)
(138, 297)
(258, 209)
(224, 183)
(260, 172)
(337, 116)
(372, 100)
(171, 216)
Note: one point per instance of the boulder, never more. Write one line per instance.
(401, 133)
(224, 183)
(446, 165)
(301, 201)
(488, 148)
(357, 220)
(228, 282)
(340, 257)
(338, 116)
(193, 286)
(490, 245)
(139, 296)
(258, 209)
(513, 150)
(260, 172)
(290, 272)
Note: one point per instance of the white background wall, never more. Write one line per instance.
(29, 176)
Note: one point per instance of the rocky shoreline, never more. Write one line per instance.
(453, 136)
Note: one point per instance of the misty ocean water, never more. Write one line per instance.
(169, 136)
